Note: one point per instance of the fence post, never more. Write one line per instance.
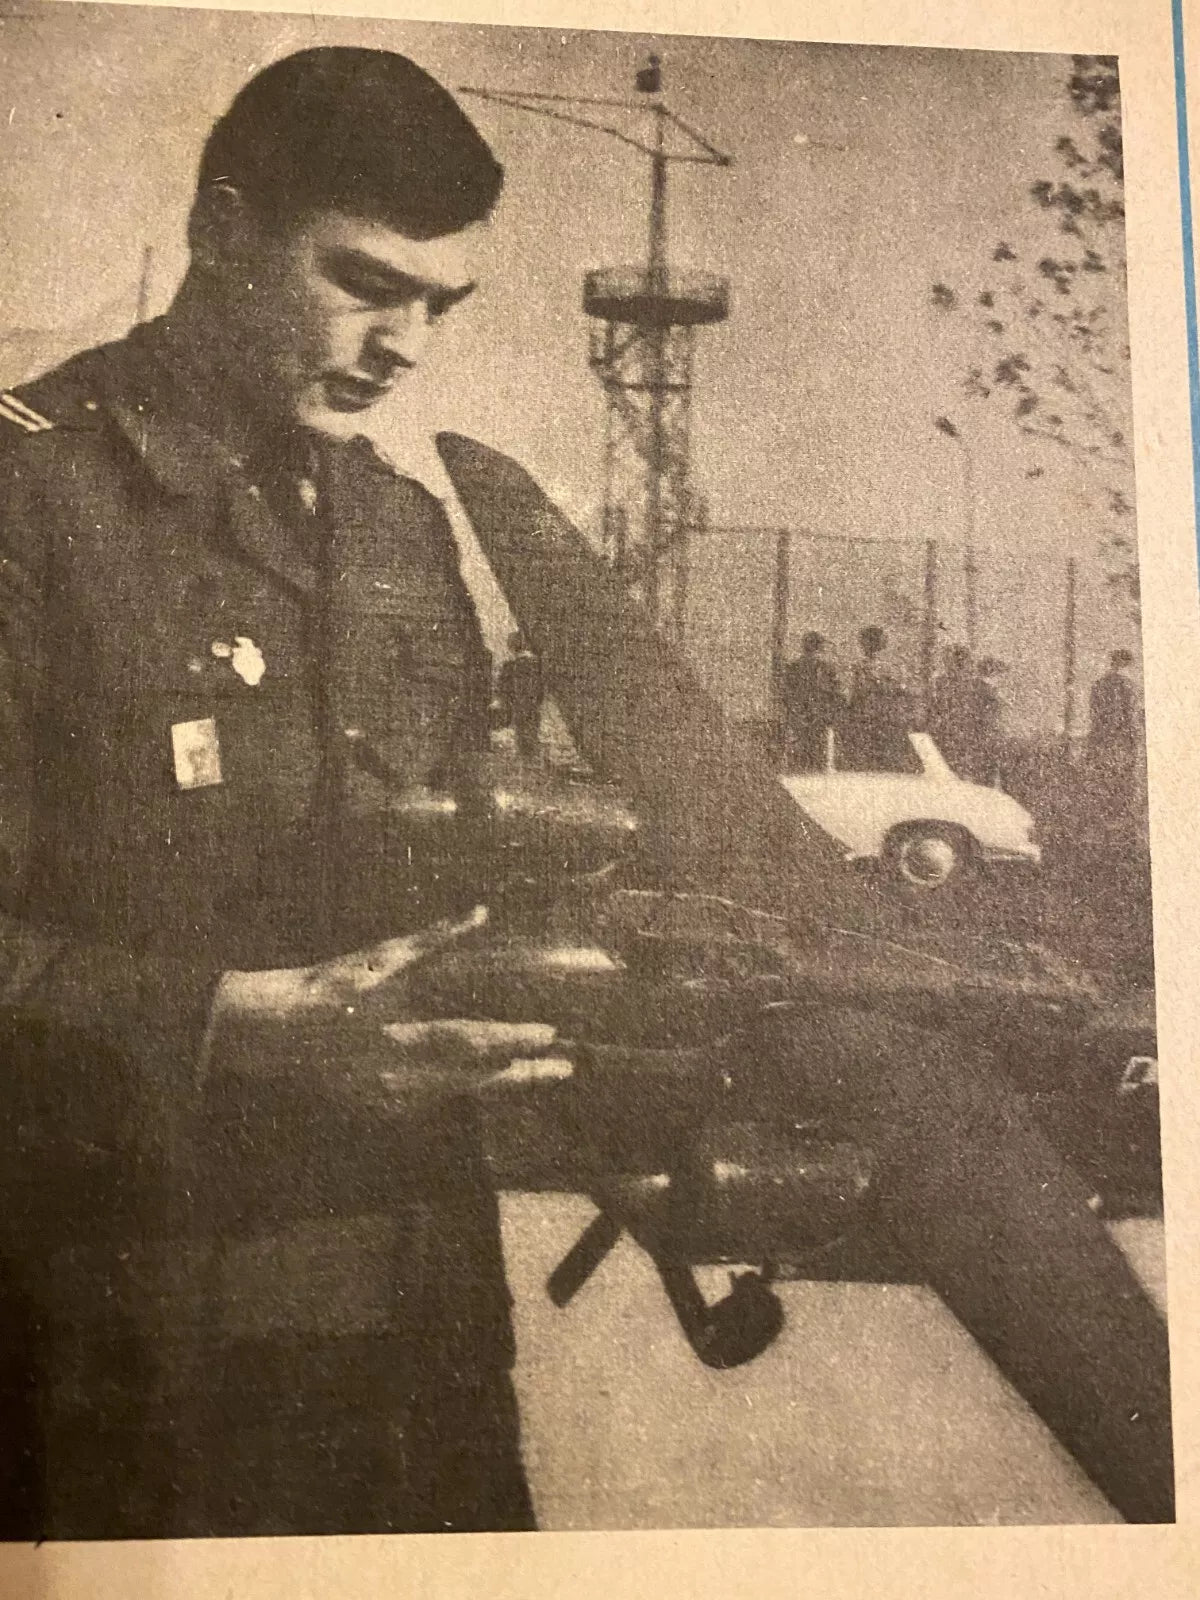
(779, 627)
(929, 629)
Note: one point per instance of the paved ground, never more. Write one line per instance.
(874, 1408)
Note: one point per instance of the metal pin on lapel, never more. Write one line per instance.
(244, 657)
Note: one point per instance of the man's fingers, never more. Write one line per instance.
(533, 1069)
(449, 931)
(392, 956)
(451, 1056)
(478, 1042)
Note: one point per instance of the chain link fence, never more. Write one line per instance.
(1049, 618)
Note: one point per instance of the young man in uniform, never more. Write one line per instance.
(254, 1278)
(213, 606)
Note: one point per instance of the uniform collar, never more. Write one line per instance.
(183, 416)
(195, 443)
(182, 413)
(173, 435)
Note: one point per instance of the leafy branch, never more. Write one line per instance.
(1052, 354)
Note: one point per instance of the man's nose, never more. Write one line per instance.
(400, 334)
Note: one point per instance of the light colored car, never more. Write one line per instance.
(925, 824)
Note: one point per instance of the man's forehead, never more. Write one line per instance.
(451, 259)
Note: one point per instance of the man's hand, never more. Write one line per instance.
(370, 980)
(450, 1056)
(344, 1022)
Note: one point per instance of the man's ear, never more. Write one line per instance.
(222, 228)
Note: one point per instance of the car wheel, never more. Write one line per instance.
(927, 856)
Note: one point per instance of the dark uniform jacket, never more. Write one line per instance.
(229, 1305)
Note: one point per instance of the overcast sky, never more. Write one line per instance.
(814, 403)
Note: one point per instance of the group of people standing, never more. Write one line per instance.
(870, 718)
(873, 716)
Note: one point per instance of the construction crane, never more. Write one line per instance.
(642, 348)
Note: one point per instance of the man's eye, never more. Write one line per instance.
(370, 291)
(392, 293)
(372, 294)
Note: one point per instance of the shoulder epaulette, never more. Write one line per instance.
(15, 410)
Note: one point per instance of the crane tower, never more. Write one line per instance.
(642, 349)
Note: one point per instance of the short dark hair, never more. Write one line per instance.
(364, 131)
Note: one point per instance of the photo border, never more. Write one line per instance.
(1189, 257)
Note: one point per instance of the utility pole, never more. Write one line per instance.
(682, 575)
(970, 567)
(1069, 662)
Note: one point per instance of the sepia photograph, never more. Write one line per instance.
(575, 877)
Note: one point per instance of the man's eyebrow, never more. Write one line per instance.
(394, 277)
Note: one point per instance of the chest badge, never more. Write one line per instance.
(197, 753)
(244, 657)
